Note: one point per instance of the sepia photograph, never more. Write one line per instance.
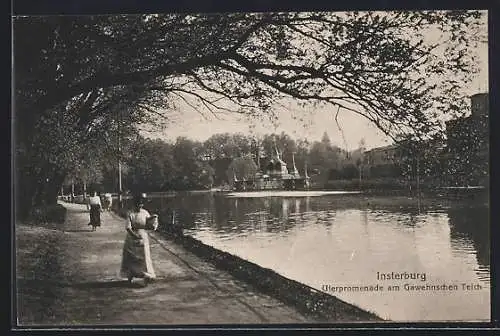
(251, 168)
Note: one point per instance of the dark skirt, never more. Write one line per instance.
(95, 215)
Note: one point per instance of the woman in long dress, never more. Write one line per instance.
(136, 260)
(95, 206)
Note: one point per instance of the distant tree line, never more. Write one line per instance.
(157, 165)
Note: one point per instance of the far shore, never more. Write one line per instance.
(401, 197)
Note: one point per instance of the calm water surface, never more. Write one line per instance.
(344, 240)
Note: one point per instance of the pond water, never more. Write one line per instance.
(354, 241)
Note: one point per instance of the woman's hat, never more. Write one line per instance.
(140, 197)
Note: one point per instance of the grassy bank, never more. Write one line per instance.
(386, 184)
(37, 244)
(406, 203)
(51, 215)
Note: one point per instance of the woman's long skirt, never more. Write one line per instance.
(95, 215)
(136, 259)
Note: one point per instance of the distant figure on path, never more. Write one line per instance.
(94, 205)
(107, 201)
(136, 260)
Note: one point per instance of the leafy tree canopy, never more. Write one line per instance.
(382, 65)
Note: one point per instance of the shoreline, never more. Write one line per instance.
(442, 193)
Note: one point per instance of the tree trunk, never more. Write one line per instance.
(37, 182)
(55, 184)
(24, 193)
(36, 186)
(25, 170)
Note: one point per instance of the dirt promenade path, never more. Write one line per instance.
(68, 275)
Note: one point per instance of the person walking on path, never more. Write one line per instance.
(136, 258)
(95, 206)
(107, 201)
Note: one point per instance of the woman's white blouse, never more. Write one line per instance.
(137, 220)
(94, 200)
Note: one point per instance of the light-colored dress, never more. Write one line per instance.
(136, 261)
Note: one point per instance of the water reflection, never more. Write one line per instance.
(347, 240)
(469, 225)
(470, 232)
